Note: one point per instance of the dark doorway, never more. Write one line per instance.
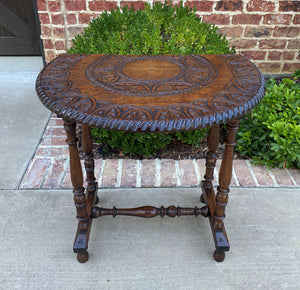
(18, 28)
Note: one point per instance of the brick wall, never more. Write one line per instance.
(265, 31)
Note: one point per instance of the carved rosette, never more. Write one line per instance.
(187, 75)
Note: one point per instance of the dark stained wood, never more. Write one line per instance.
(150, 211)
(84, 222)
(18, 28)
(105, 90)
(151, 93)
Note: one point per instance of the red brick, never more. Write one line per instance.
(54, 6)
(261, 6)
(58, 152)
(71, 18)
(75, 5)
(255, 55)
(46, 31)
(187, 172)
(50, 132)
(98, 166)
(102, 5)
(60, 45)
(233, 182)
(229, 5)
(55, 122)
(229, 32)
(296, 19)
(74, 30)
(258, 31)
(289, 6)
(295, 173)
(85, 18)
(42, 5)
(110, 173)
(282, 177)
(168, 173)
(44, 18)
(48, 44)
(53, 141)
(129, 171)
(243, 43)
(269, 67)
(262, 175)
(201, 6)
(201, 168)
(59, 32)
(35, 176)
(148, 174)
(281, 55)
(49, 55)
(290, 67)
(67, 178)
(288, 31)
(272, 44)
(55, 173)
(57, 19)
(218, 19)
(294, 44)
(277, 19)
(137, 5)
(246, 19)
(243, 173)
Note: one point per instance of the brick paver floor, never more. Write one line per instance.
(49, 168)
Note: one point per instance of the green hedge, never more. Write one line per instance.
(162, 29)
(270, 134)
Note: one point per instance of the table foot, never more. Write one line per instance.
(82, 257)
(219, 256)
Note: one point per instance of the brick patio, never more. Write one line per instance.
(49, 169)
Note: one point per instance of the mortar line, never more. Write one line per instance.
(196, 168)
(252, 173)
(292, 178)
(178, 173)
(158, 173)
(119, 174)
(139, 167)
(101, 173)
(273, 177)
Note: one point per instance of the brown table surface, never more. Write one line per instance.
(150, 93)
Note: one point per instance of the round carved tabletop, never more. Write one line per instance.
(150, 93)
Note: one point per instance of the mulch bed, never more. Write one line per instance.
(175, 150)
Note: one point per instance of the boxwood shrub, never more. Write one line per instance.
(161, 29)
(270, 134)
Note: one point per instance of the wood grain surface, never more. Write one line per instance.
(150, 93)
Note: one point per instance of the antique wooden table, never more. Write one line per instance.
(157, 94)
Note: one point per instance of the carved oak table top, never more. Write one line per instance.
(151, 93)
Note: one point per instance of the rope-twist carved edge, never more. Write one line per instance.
(152, 125)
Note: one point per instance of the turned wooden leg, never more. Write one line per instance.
(80, 244)
(208, 195)
(92, 186)
(225, 174)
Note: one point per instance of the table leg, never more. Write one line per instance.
(221, 240)
(92, 185)
(208, 195)
(80, 243)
